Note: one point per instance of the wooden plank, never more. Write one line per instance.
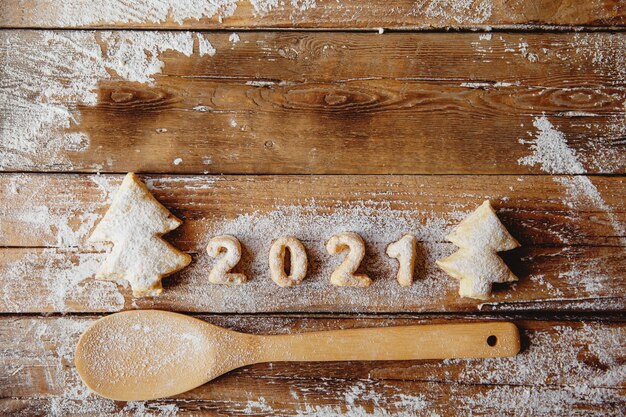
(61, 210)
(565, 366)
(355, 102)
(423, 14)
(551, 279)
(582, 272)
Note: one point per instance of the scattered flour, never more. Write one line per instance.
(550, 150)
(42, 112)
(557, 371)
(57, 280)
(523, 48)
(55, 354)
(255, 406)
(263, 7)
(475, 85)
(606, 51)
(234, 38)
(377, 223)
(204, 46)
(73, 13)
(352, 411)
(552, 153)
(81, 13)
(303, 5)
(569, 364)
(455, 11)
(260, 83)
(62, 226)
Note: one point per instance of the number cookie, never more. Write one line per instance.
(344, 275)
(230, 247)
(299, 262)
(404, 250)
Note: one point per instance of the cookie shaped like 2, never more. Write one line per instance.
(230, 250)
(345, 275)
(476, 264)
(134, 224)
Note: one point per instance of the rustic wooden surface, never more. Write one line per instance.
(522, 103)
(563, 362)
(477, 98)
(557, 265)
(345, 14)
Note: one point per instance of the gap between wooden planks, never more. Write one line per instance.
(563, 365)
(316, 14)
(309, 103)
(571, 259)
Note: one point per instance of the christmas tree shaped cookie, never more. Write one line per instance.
(477, 264)
(135, 223)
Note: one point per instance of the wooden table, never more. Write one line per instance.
(261, 118)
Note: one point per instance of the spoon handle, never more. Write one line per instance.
(434, 341)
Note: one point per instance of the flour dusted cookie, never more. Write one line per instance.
(345, 275)
(230, 248)
(299, 262)
(476, 264)
(405, 251)
(134, 224)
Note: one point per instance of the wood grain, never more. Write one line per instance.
(60, 210)
(551, 279)
(261, 96)
(565, 366)
(441, 104)
(571, 258)
(344, 14)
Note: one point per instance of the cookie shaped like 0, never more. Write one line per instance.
(345, 275)
(299, 262)
(230, 247)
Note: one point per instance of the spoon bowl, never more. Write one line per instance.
(149, 354)
(152, 354)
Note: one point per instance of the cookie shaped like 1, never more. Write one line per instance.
(404, 250)
(134, 224)
(476, 264)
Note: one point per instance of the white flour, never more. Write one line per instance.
(457, 11)
(65, 279)
(43, 108)
(234, 38)
(377, 223)
(204, 46)
(72, 13)
(81, 13)
(551, 151)
(62, 226)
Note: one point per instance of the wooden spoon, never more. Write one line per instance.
(143, 355)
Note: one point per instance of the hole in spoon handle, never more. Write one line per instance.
(426, 341)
